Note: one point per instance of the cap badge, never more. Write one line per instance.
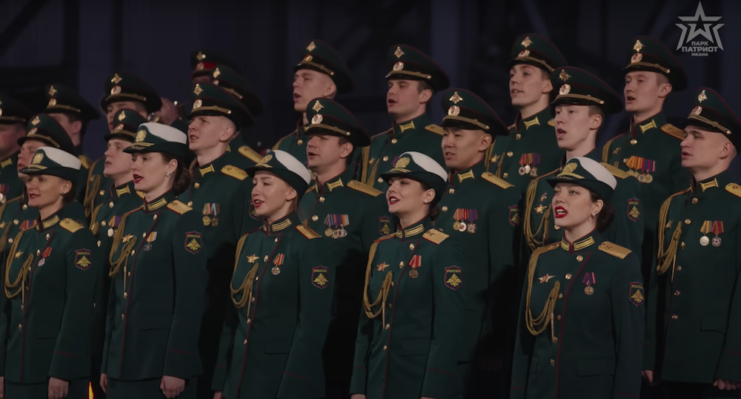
(308, 58)
(702, 96)
(317, 106)
(140, 135)
(115, 90)
(197, 104)
(200, 56)
(697, 110)
(565, 89)
(120, 126)
(402, 163)
(527, 42)
(637, 57)
(198, 90)
(563, 75)
(35, 121)
(122, 116)
(569, 168)
(116, 79)
(317, 119)
(52, 102)
(398, 66)
(454, 111)
(311, 46)
(398, 53)
(456, 98)
(216, 73)
(52, 91)
(266, 159)
(38, 158)
(638, 46)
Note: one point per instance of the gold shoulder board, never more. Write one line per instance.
(251, 154)
(434, 235)
(307, 232)
(234, 172)
(382, 133)
(673, 131)
(70, 225)
(435, 129)
(552, 123)
(549, 247)
(734, 189)
(85, 161)
(614, 249)
(178, 207)
(364, 188)
(617, 172)
(491, 178)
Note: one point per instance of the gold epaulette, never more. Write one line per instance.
(435, 129)
(512, 126)
(382, 133)
(491, 178)
(276, 145)
(70, 225)
(614, 249)
(250, 154)
(364, 188)
(673, 131)
(85, 161)
(552, 123)
(434, 235)
(307, 232)
(617, 172)
(178, 207)
(234, 172)
(606, 148)
(544, 249)
(734, 189)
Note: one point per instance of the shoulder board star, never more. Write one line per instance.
(545, 278)
(252, 258)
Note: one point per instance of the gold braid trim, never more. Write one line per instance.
(382, 294)
(125, 251)
(95, 215)
(240, 244)
(4, 238)
(487, 156)
(364, 159)
(499, 166)
(246, 289)
(372, 177)
(20, 281)
(532, 240)
(666, 257)
(89, 201)
(539, 324)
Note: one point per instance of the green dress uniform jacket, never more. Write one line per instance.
(156, 298)
(97, 187)
(85, 166)
(220, 192)
(247, 156)
(274, 331)
(625, 230)
(10, 185)
(529, 151)
(480, 213)
(419, 134)
(591, 296)
(694, 330)
(47, 305)
(410, 335)
(294, 144)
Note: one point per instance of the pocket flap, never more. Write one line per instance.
(714, 322)
(154, 322)
(585, 367)
(47, 330)
(278, 347)
(416, 347)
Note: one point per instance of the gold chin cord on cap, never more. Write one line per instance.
(382, 294)
(539, 324)
(20, 280)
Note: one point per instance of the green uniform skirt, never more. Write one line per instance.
(146, 389)
(78, 389)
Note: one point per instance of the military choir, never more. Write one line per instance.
(459, 258)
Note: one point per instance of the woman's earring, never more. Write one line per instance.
(168, 174)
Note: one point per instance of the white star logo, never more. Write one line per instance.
(705, 31)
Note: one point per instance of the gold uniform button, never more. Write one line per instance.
(380, 180)
(265, 258)
(568, 276)
(253, 299)
(385, 158)
(390, 306)
(676, 293)
(509, 154)
(10, 240)
(122, 316)
(20, 326)
(245, 342)
(555, 340)
(679, 268)
(101, 192)
(388, 326)
(299, 141)
(445, 209)
(401, 264)
(683, 245)
(315, 218)
(126, 295)
(25, 207)
(451, 191)
(197, 185)
(257, 278)
(579, 258)
(133, 251)
(505, 175)
(321, 199)
(276, 240)
(190, 203)
(694, 200)
(553, 362)
(144, 234)
(385, 347)
(249, 321)
(98, 242)
(128, 274)
(110, 204)
(675, 317)
(103, 223)
(560, 296)
(394, 141)
(558, 317)
(633, 142)
(411, 246)
(517, 136)
(15, 221)
(155, 217)
(687, 221)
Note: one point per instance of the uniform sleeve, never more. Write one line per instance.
(627, 227)
(729, 366)
(189, 270)
(524, 343)
(628, 319)
(71, 357)
(303, 375)
(442, 379)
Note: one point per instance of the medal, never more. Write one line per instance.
(413, 273)
(42, 261)
(336, 234)
(704, 241)
(215, 221)
(705, 229)
(206, 220)
(147, 246)
(462, 227)
(642, 178)
(589, 279)
(471, 228)
(534, 172)
(110, 232)
(522, 170)
(716, 241)
(328, 232)
(275, 270)
(649, 178)
(589, 290)
(527, 169)
(717, 229)
(343, 232)
(456, 224)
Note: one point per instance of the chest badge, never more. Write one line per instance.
(150, 239)
(82, 259)
(589, 279)
(545, 278)
(384, 225)
(633, 212)
(464, 220)
(641, 168)
(193, 242)
(453, 277)
(277, 262)
(336, 225)
(319, 277)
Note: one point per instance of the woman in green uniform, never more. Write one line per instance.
(282, 287)
(50, 279)
(409, 331)
(158, 271)
(581, 322)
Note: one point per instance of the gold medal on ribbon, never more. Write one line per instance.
(456, 224)
(705, 229)
(215, 221)
(275, 270)
(649, 178)
(328, 232)
(413, 273)
(206, 220)
(589, 290)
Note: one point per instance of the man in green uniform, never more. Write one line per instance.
(13, 119)
(320, 73)
(530, 149)
(582, 103)
(122, 91)
(204, 62)
(221, 191)
(231, 81)
(74, 113)
(479, 210)
(413, 80)
(120, 199)
(693, 340)
(649, 150)
(351, 215)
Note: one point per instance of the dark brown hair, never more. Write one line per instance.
(605, 216)
(71, 195)
(182, 174)
(434, 210)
